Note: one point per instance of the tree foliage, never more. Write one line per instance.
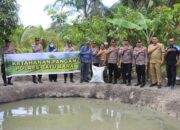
(119, 23)
(8, 18)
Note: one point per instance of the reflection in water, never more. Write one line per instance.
(1, 120)
(118, 120)
(94, 114)
(61, 109)
(112, 113)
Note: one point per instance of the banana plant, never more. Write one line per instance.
(141, 24)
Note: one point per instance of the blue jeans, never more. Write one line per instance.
(84, 71)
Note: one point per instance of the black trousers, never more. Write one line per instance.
(4, 75)
(126, 71)
(34, 77)
(52, 77)
(105, 75)
(171, 74)
(113, 69)
(141, 74)
(66, 75)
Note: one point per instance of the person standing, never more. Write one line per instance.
(112, 53)
(68, 48)
(86, 60)
(94, 53)
(141, 61)
(6, 49)
(37, 48)
(95, 58)
(103, 60)
(172, 61)
(156, 59)
(102, 55)
(52, 48)
(126, 54)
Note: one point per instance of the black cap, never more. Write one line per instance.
(113, 41)
(125, 39)
(87, 42)
(94, 42)
(69, 42)
(37, 39)
(7, 41)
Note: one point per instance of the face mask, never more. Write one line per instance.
(51, 45)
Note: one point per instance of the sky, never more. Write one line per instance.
(32, 12)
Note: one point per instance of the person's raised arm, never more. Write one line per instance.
(152, 49)
(135, 52)
(109, 51)
(100, 52)
(82, 51)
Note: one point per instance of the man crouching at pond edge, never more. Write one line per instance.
(86, 60)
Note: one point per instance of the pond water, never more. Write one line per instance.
(81, 114)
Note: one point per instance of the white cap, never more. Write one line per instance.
(105, 43)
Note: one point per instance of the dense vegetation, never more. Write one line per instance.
(8, 18)
(94, 21)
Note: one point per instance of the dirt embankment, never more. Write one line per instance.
(163, 100)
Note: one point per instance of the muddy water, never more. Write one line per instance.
(81, 114)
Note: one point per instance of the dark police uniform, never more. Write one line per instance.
(172, 57)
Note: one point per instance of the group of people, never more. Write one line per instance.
(37, 47)
(118, 61)
(121, 59)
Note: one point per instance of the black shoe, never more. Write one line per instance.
(34, 81)
(81, 81)
(55, 80)
(115, 82)
(5, 84)
(110, 81)
(124, 82)
(128, 84)
(72, 81)
(39, 80)
(152, 85)
(86, 81)
(172, 87)
(159, 85)
(10, 83)
(137, 84)
(50, 80)
(167, 85)
(65, 81)
(142, 85)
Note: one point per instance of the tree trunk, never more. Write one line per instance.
(95, 7)
(172, 2)
(85, 9)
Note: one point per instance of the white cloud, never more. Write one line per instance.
(32, 11)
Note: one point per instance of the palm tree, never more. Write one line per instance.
(88, 8)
